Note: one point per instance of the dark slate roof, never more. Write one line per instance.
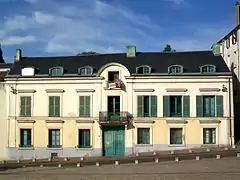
(5, 65)
(159, 61)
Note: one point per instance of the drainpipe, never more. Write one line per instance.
(230, 110)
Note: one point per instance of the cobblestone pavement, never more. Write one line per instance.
(209, 169)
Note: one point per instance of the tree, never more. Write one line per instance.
(87, 53)
(168, 48)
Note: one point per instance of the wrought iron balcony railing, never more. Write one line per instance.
(118, 84)
(114, 116)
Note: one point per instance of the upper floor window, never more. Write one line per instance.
(228, 43)
(208, 69)
(84, 71)
(234, 37)
(144, 69)
(175, 69)
(56, 71)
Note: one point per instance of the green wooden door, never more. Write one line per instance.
(113, 141)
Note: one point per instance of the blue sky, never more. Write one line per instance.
(66, 27)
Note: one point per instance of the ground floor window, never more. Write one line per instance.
(209, 135)
(143, 135)
(25, 138)
(54, 138)
(84, 138)
(176, 135)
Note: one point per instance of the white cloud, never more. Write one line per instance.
(31, 1)
(16, 40)
(177, 2)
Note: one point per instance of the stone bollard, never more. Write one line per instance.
(66, 159)
(136, 161)
(41, 165)
(34, 160)
(116, 163)
(172, 152)
(3, 162)
(154, 153)
(238, 155)
(82, 158)
(97, 164)
(176, 159)
(18, 161)
(24, 166)
(59, 165)
(49, 159)
(156, 160)
(208, 150)
(197, 158)
(78, 164)
(190, 151)
(218, 156)
(226, 148)
(137, 154)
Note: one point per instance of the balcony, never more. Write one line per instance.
(117, 84)
(114, 118)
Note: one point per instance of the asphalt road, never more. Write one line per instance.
(206, 169)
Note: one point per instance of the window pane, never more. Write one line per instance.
(208, 106)
(209, 136)
(175, 135)
(143, 136)
(25, 137)
(176, 106)
(84, 138)
(146, 106)
(54, 137)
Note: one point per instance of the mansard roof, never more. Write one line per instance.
(158, 61)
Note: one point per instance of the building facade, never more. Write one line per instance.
(117, 104)
(229, 48)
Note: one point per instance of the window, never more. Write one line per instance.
(56, 71)
(84, 106)
(84, 138)
(208, 69)
(54, 138)
(209, 106)
(143, 135)
(25, 106)
(147, 106)
(175, 69)
(25, 138)
(228, 43)
(113, 76)
(54, 106)
(176, 135)
(209, 135)
(234, 37)
(176, 106)
(85, 71)
(144, 69)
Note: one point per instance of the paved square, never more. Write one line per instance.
(209, 169)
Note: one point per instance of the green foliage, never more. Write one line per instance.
(168, 48)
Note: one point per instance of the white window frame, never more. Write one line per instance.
(183, 135)
(210, 126)
(144, 125)
(85, 126)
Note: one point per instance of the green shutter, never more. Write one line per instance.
(49, 137)
(166, 106)
(51, 106)
(140, 110)
(22, 106)
(186, 106)
(29, 137)
(57, 106)
(87, 106)
(216, 49)
(153, 104)
(28, 106)
(81, 106)
(87, 138)
(21, 137)
(199, 106)
(219, 106)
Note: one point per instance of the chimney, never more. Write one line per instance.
(131, 51)
(237, 7)
(18, 56)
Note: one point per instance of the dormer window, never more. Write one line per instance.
(85, 71)
(56, 71)
(28, 71)
(208, 69)
(175, 69)
(144, 69)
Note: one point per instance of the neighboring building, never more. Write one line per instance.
(229, 47)
(117, 104)
(4, 68)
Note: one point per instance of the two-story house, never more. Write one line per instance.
(229, 47)
(117, 104)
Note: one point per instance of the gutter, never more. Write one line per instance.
(230, 111)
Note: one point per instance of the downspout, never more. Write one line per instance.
(230, 109)
(15, 112)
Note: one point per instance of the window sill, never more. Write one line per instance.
(26, 148)
(54, 148)
(144, 145)
(84, 148)
(176, 145)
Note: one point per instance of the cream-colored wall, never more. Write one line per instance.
(3, 134)
(70, 102)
